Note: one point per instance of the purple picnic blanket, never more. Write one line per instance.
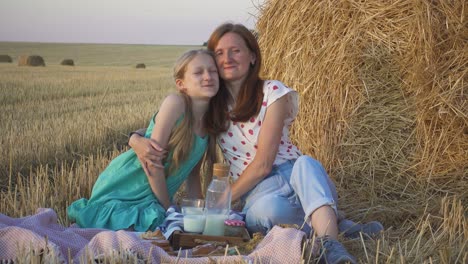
(42, 233)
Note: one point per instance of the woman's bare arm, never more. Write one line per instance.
(147, 150)
(268, 143)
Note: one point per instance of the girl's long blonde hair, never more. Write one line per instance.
(182, 137)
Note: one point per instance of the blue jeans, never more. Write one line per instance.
(289, 195)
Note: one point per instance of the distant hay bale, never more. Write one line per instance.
(382, 86)
(140, 66)
(23, 60)
(32, 60)
(35, 60)
(67, 62)
(6, 58)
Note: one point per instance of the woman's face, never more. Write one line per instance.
(233, 57)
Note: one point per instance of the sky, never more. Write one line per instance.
(172, 22)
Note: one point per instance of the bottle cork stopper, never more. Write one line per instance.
(221, 169)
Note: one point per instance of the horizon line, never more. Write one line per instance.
(94, 43)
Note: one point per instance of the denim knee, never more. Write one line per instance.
(272, 210)
(311, 183)
(310, 162)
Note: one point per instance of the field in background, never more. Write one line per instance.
(157, 56)
(56, 114)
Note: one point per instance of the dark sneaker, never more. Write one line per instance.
(351, 229)
(333, 252)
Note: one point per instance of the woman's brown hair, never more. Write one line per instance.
(250, 98)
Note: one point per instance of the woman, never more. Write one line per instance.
(277, 183)
(124, 196)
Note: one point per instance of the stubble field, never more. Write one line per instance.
(61, 125)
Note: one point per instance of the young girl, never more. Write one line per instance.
(124, 196)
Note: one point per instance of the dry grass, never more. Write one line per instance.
(383, 106)
(55, 114)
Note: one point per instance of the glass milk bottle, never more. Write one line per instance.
(217, 201)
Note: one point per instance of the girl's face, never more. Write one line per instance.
(233, 57)
(201, 80)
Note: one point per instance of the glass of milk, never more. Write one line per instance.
(214, 225)
(194, 216)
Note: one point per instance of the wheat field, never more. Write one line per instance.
(55, 117)
(57, 112)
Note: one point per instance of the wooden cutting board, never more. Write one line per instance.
(190, 240)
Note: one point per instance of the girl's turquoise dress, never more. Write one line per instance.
(122, 196)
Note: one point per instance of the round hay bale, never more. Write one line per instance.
(140, 66)
(67, 62)
(35, 60)
(32, 60)
(23, 60)
(381, 86)
(6, 58)
(383, 106)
